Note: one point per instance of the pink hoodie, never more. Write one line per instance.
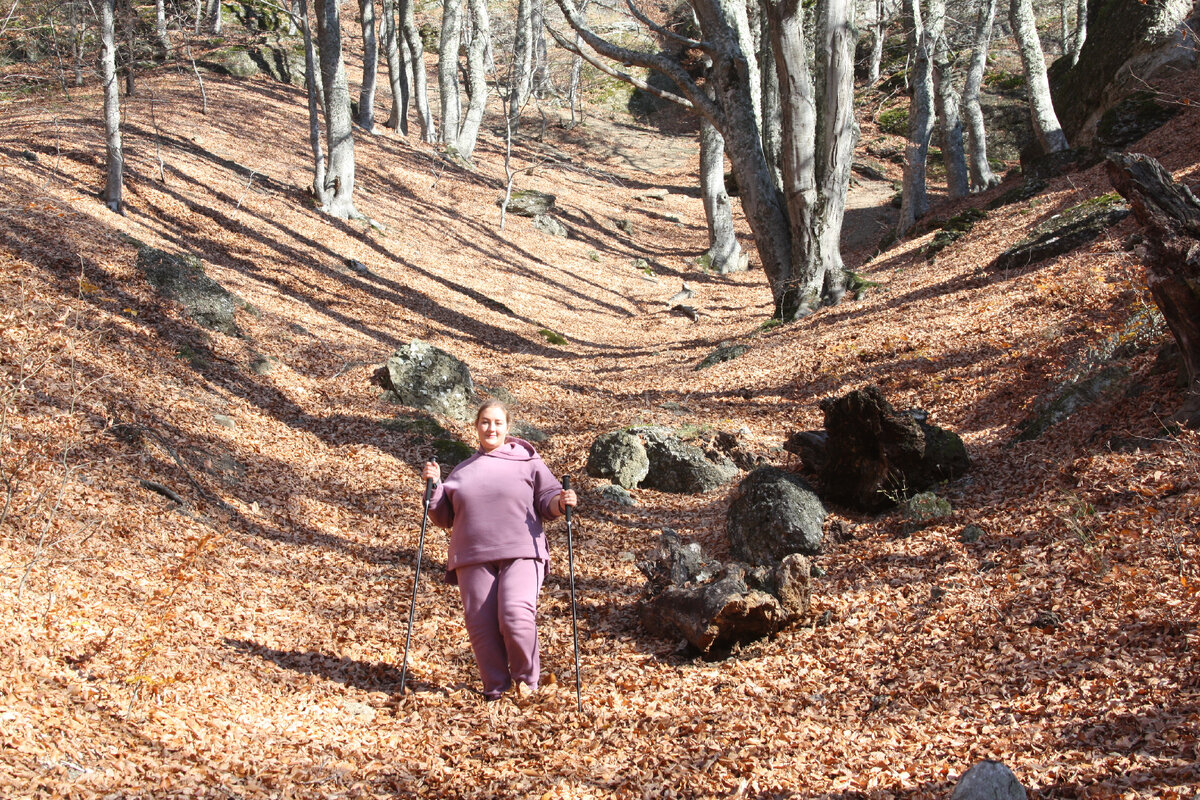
(494, 504)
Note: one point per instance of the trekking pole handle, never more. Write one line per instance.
(429, 483)
(566, 484)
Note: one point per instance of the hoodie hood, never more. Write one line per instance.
(513, 449)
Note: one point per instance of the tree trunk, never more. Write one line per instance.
(160, 28)
(129, 28)
(397, 74)
(366, 95)
(772, 113)
(724, 254)
(315, 104)
(448, 71)
(540, 82)
(1171, 215)
(1045, 122)
(836, 135)
(339, 126)
(915, 202)
(416, 55)
(214, 17)
(946, 103)
(112, 107)
(77, 33)
(981, 177)
(877, 45)
(1080, 30)
(521, 71)
(477, 89)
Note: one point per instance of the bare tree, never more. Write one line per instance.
(946, 103)
(366, 95)
(416, 55)
(339, 127)
(520, 75)
(1045, 122)
(915, 197)
(160, 28)
(397, 68)
(1080, 31)
(879, 25)
(477, 89)
(448, 70)
(980, 170)
(315, 96)
(112, 107)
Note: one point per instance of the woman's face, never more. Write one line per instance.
(492, 428)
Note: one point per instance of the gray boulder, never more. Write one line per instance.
(549, 225)
(182, 278)
(422, 376)
(1063, 232)
(619, 456)
(679, 467)
(530, 203)
(1070, 398)
(772, 514)
(714, 606)
(988, 780)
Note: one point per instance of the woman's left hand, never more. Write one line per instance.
(567, 498)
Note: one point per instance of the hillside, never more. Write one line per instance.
(247, 643)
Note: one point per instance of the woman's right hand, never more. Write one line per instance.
(431, 472)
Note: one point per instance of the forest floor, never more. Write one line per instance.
(247, 642)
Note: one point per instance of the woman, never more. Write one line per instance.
(495, 503)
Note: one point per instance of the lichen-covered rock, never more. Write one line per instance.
(679, 467)
(773, 514)
(619, 456)
(1063, 232)
(424, 377)
(182, 278)
(988, 780)
(1071, 398)
(530, 203)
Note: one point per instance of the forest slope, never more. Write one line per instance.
(247, 643)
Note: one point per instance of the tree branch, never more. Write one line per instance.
(667, 32)
(616, 73)
(671, 68)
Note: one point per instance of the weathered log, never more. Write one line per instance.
(1171, 214)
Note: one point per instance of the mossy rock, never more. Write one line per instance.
(726, 352)
(893, 121)
(952, 230)
(236, 62)
(1071, 398)
(1064, 232)
(418, 426)
(452, 452)
(1131, 119)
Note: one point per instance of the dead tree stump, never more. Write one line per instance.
(1170, 213)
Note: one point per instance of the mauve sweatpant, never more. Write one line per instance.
(500, 604)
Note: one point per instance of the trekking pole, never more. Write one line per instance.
(412, 608)
(566, 484)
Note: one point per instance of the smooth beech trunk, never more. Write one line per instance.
(978, 168)
(1046, 127)
(366, 95)
(946, 104)
(477, 89)
(915, 195)
(448, 71)
(315, 95)
(416, 55)
(397, 72)
(112, 108)
(339, 125)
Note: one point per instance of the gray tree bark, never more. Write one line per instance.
(1080, 31)
(880, 30)
(946, 104)
(915, 196)
(724, 254)
(366, 95)
(477, 89)
(112, 108)
(448, 71)
(160, 28)
(1045, 122)
(520, 73)
(397, 70)
(315, 96)
(836, 135)
(214, 17)
(339, 125)
(416, 55)
(980, 171)
(770, 115)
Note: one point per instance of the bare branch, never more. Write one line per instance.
(667, 32)
(618, 74)
(667, 66)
